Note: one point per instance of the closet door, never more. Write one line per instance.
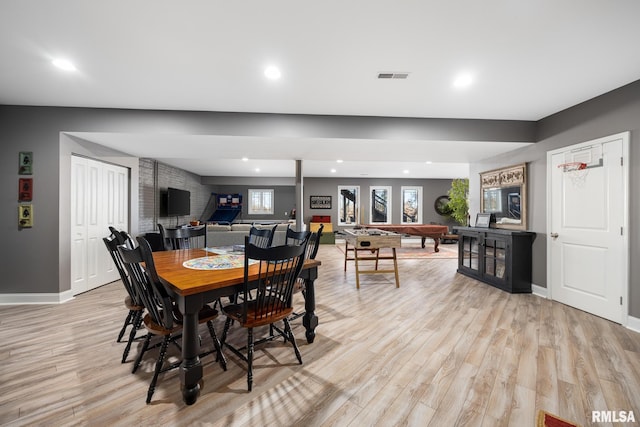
(99, 199)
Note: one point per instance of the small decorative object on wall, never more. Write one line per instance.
(25, 216)
(25, 166)
(441, 206)
(25, 189)
(320, 202)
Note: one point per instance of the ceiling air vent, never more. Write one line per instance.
(393, 75)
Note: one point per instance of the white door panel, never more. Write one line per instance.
(587, 247)
(99, 200)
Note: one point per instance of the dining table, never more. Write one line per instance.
(194, 277)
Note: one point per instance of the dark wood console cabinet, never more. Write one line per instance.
(499, 257)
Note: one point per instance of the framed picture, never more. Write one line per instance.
(25, 216)
(484, 220)
(25, 166)
(25, 189)
(320, 202)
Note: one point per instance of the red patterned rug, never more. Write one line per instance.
(546, 419)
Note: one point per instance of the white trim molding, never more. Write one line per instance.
(539, 291)
(633, 323)
(36, 298)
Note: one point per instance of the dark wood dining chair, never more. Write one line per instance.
(278, 269)
(296, 237)
(312, 250)
(183, 238)
(132, 301)
(262, 237)
(162, 318)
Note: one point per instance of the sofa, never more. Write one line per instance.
(234, 234)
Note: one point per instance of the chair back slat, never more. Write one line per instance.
(112, 242)
(262, 237)
(279, 267)
(314, 243)
(296, 237)
(155, 298)
(183, 238)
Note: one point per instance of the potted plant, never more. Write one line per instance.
(459, 201)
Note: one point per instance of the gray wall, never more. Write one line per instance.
(155, 178)
(284, 200)
(431, 189)
(609, 114)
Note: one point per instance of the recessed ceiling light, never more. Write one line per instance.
(257, 169)
(245, 159)
(428, 162)
(64, 64)
(339, 161)
(405, 171)
(462, 80)
(333, 171)
(272, 72)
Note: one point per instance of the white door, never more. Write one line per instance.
(99, 199)
(587, 245)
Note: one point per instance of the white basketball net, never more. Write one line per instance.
(576, 171)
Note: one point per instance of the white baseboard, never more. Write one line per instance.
(633, 323)
(539, 290)
(35, 298)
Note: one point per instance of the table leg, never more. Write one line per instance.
(395, 267)
(346, 254)
(436, 242)
(191, 367)
(355, 251)
(423, 240)
(310, 320)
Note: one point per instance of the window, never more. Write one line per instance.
(348, 204)
(380, 205)
(411, 205)
(260, 201)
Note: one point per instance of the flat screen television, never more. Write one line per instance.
(178, 202)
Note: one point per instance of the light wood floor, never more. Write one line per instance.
(442, 350)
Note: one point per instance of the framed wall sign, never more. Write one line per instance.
(25, 166)
(320, 202)
(25, 189)
(25, 216)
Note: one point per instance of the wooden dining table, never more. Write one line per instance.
(192, 288)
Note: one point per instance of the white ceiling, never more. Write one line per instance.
(528, 59)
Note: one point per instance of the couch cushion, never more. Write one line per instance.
(241, 227)
(218, 227)
(282, 227)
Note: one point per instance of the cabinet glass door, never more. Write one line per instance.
(495, 257)
(470, 252)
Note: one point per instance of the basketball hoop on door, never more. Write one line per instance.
(577, 172)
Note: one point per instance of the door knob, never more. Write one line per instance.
(554, 235)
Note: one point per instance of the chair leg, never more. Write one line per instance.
(227, 324)
(137, 322)
(127, 322)
(289, 333)
(145, 346)
(249, 358)
(159, 362)
(219, 357)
